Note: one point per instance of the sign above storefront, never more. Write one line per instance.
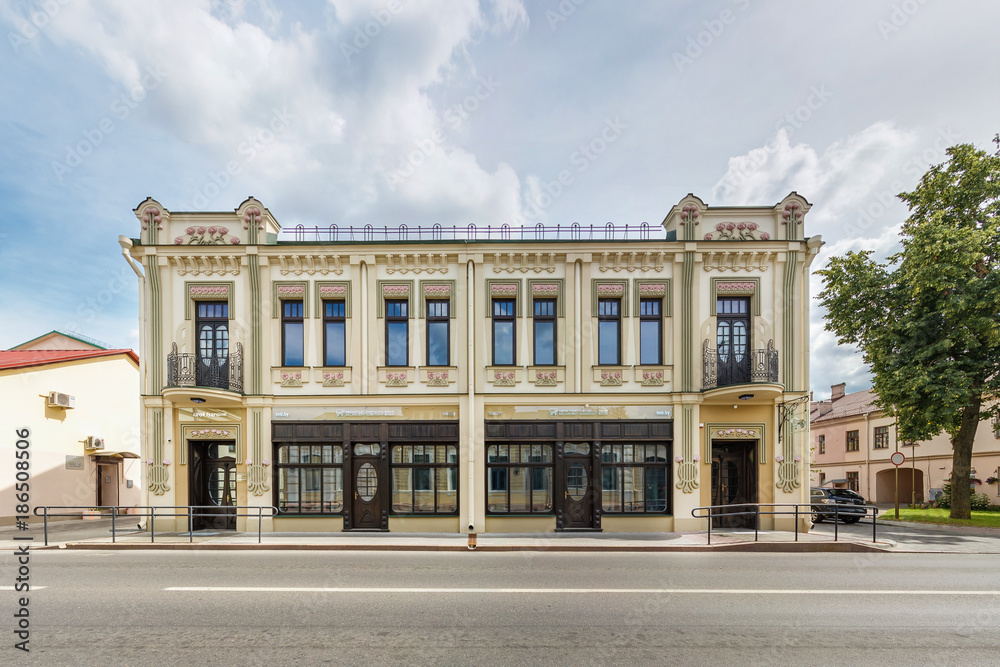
(579, 411)
(325, 413)
(206, 414)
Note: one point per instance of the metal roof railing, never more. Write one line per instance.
(472, 232)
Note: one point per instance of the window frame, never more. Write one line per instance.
(291, 319)
(396, 318)
(609, 467)
(303, 469)
(854, 481)
(646, 318)
(438, 319)
(853, 439)
(880, 437)
(502, 468)
(546, 318)
(822, 443)
(616, 318)
(450, 466)
(510, 317)
(329, 319)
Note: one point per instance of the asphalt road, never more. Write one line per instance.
(365, 608)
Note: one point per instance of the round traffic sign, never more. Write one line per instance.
(897, 458)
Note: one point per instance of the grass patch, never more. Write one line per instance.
(941, 516)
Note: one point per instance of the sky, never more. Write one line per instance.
(394, 111)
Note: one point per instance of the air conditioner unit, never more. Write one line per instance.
(57, 400)
(93, 442)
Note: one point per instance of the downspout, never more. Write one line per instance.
(471, 374)
(578, 326)
(126, 244)
(868, 451)
(364, 329)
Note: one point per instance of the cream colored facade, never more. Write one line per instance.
(922, 474)
(692, 409)
(63, 470)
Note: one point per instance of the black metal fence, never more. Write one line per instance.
(760, 365)
(796, 510)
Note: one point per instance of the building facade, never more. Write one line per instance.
(80, 405)
(480, 380)
(852, 441)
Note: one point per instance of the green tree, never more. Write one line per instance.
(926, 321)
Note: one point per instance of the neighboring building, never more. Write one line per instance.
(852, 441)
(81, 405)
(481, 380)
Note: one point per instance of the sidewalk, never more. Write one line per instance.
(76, 534)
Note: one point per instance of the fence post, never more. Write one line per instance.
(796, 522)
(152, 523)
(114, 513)
(190, 523)
(45, 523)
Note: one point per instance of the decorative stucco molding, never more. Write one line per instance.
(503, 289)
(735, 261)
(735, 433)
(611, 378)
(437, 291)
(212, 235)
(291, 291)
(333, 378)
(610, 290)
(544, 289)
(395, 291)
(416, 262)
(291, 379)
(437, 378)
(537, 262)
(737, 231)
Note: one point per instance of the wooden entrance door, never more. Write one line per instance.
(369, 482)
(213, 484)
(734, 482)
(578, 493)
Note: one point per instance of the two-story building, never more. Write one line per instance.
(476, 379)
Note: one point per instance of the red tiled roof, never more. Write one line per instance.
(28, 358)
(849, 405)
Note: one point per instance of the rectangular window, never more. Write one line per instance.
(608, 332)
(397, 333)
(634, 479)
(822, 444)
(822, 478)
(853, 441)
(437, 332)
(881, 437)
(503, 332)
(519, 479)
(424, 479)
(292, 342)
(310, 479)
(853, 482)
(545, 332)
(334, 333)
(650, 332)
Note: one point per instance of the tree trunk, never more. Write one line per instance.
(961, 461)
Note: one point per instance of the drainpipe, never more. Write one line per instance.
(364, 329)
(470, 412)
(126, 244)
(868, 451)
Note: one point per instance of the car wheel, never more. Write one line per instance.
(817, 517)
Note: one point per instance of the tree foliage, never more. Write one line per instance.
(926, 321)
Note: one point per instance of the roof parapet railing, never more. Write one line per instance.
(473, 232)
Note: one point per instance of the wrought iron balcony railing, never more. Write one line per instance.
(727, 369)
(185, 369)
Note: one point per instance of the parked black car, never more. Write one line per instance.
(847, 502)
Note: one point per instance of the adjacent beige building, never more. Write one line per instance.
(852, 442)
(80, 403)
(476, 379)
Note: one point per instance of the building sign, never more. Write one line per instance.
(355, 413)
(579, 411)
(207, 414)
(74, 462)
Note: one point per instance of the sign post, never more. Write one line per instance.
(897, 460)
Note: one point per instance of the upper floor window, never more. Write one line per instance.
(437, 332)
(503, 332)
(650, 332)
(881, 437)
(822, 444)
(334, 333)
(292, 341)
(544, 332)
(397, 332)
(853, 441)
(608, 332)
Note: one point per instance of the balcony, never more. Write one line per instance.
(727, 369)
(185, 369)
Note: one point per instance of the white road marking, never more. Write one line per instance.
(573, 591)
(33, 588)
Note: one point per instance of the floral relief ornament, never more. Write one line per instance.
(206, 236)
(151, 216)
(737, 231)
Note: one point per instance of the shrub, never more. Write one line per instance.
(978, 501)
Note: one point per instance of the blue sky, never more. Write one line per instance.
(385, 112)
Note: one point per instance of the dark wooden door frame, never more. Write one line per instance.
(561, 468)
(383, 492)
(747, 475)
(199, 467)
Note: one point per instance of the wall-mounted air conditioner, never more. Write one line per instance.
(93, 442)
(58, 400)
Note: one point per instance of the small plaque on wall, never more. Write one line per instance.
(74, 462)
